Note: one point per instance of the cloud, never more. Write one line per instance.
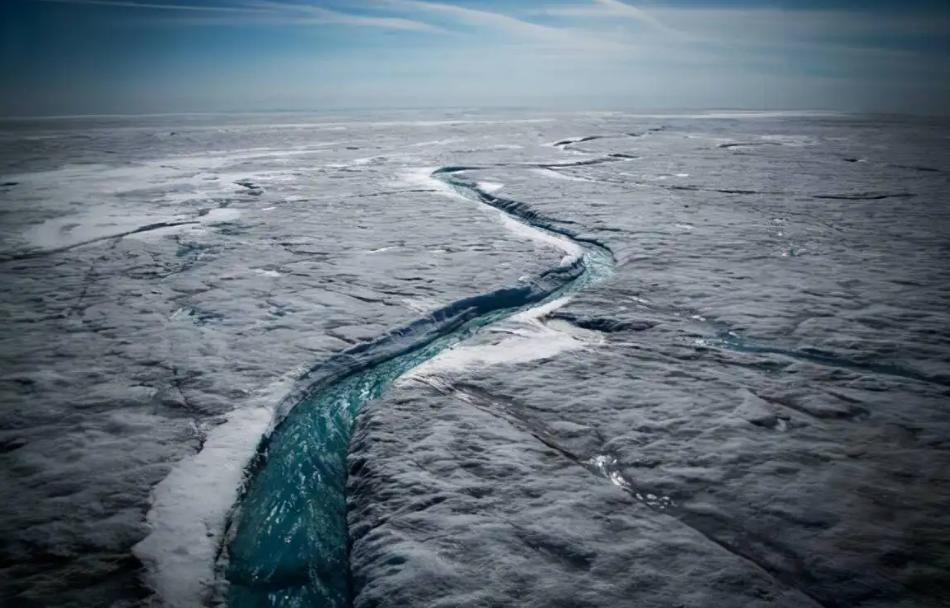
(615, 8)
(156, 6)
(592, 29)
(767, 23)
(324, 15)
(552, 37)
(759, 35)
(267, 13)
(479, 17)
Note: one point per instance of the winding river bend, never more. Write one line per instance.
(287, 542)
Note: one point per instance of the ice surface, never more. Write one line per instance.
(289, 545)
(752, 410)
(128, 356)
(772, 378)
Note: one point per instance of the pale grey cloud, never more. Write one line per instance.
(324, 15)
(615, 8)
(266, 12)
(158, 6)
(573, 39)
(480, 17)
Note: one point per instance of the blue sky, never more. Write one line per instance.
(131, 56)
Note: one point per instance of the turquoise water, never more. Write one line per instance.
(289, 540)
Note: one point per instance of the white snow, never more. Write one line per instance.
(421, 177)
(94, 222)
(558, 175)
(220, 215)
(267, 273)
(191, 505)
(524, 337)
(490, 186)
(571, 249)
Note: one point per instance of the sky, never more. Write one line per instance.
(60, 57)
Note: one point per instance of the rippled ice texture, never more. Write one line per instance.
(752, 411)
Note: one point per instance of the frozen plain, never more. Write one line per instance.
(752, 409)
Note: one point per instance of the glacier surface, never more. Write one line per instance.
(751, 409)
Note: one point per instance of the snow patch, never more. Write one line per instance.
(558, 175)
(571, 249)
(421, 177)
(489, 186)
(221, 215)
(522, 338)
(190, 506)
(95, 222)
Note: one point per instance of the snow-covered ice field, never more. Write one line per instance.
(712, 367)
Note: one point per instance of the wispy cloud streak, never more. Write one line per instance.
(615, 8)
(325, 15)
(157, 6)
(519, 29)
(479, 17)
(268, 13)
